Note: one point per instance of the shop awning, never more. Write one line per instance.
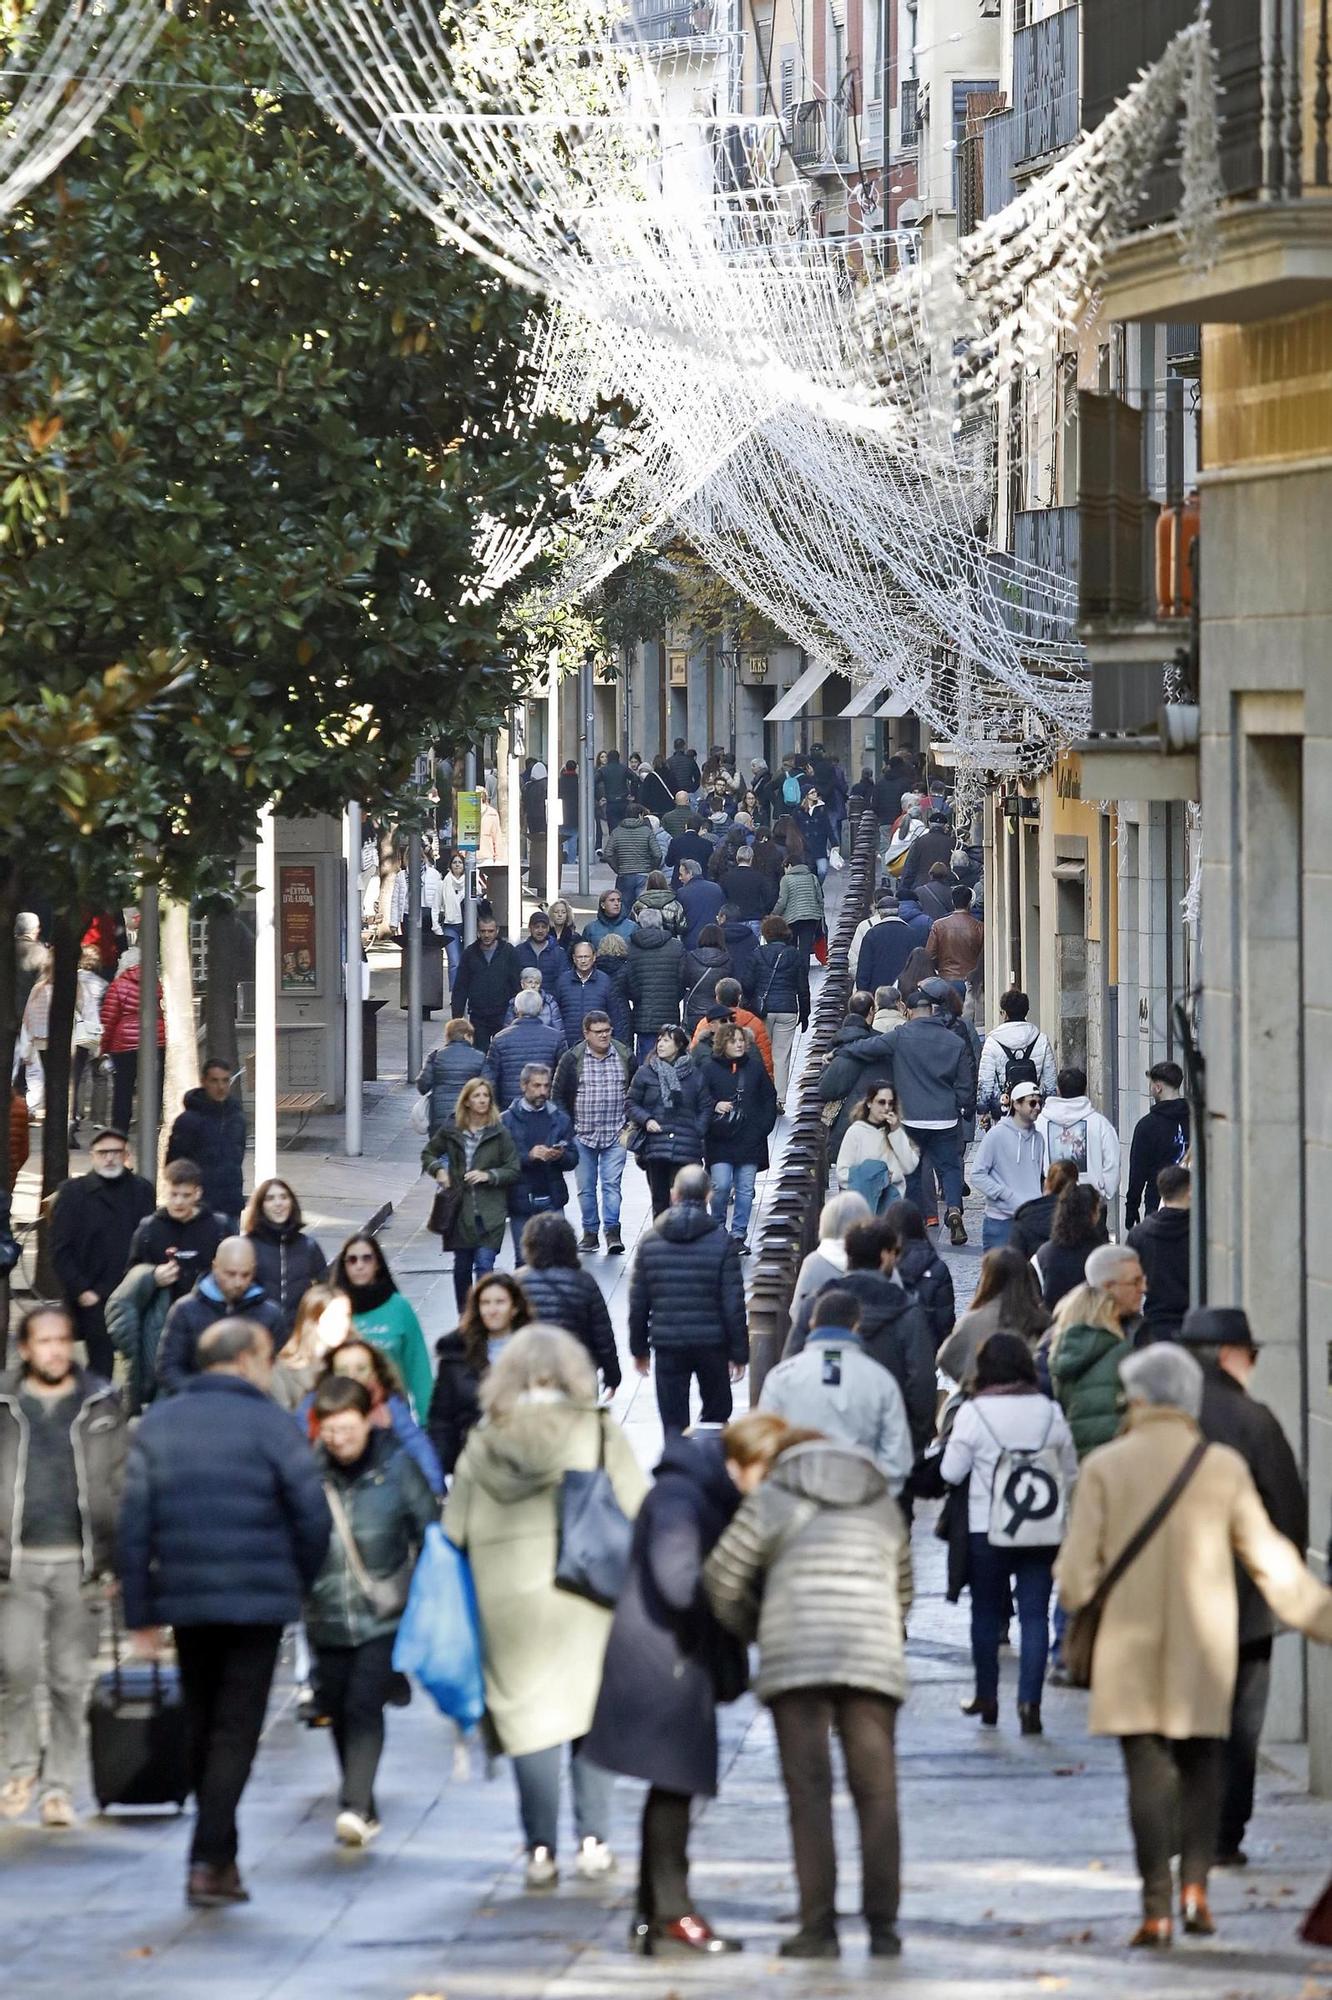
(797, 696)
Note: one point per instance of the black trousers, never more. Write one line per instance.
(225, 1675)
(353, 1684)
(1174, 1798)
(484, 1028)
(663, 1866)
(805, 1720)
(90, 1326)
(676, 1368)
(1247, 1715)
(661, 1174)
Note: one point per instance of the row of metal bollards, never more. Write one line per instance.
(791, 1218)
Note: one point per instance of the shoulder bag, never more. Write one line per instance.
(386, 1595)
(1084, 1625)
(595, 1533)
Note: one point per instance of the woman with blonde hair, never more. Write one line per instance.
(543, 1647)
(473, 1156)
(323, 1321)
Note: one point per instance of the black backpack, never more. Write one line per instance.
(1020, 1068)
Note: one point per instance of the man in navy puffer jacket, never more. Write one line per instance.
(687, 1306)
(223, 1528)
(527, 1041)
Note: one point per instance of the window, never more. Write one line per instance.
(788, 79)
(763, 77)
(910, 90)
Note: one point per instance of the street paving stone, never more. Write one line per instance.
(1017, 1866)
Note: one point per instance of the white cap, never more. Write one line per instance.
(1023, 1090)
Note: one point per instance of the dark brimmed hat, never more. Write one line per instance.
(1217, 1326)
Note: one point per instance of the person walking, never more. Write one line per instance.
(827, 1261)
(1089, 1340)
(91, 1231)
(542, 1647)
(652, 979)
(487, 980)
(632, 852)
(800, 901)
(893, 1328)
(560, 1293)
(613, 788)
(687, 1305)
(1221, 1341)
(1072, 1130)
(446, 1069)
(668, 1666)
(1014, 1449)
(611, 919)
(286, 1261)
(227, 1289)
(699, 899)
(584, 989)
(223, 1529)
(1014, 1052)
(701, 968)
(120, 1037)
(211, 1132)
(737, 1111)
(956, 943)
(816, 1565)
(381, 1315)
(474, 1153)
(361, 1361)
(1160, 1139)
(831, 1385)
(1007, 1299)
(1161, 1241)
(381, 1507)
(180, 1238)
(886, 946)
(543, 1140)
(1034, 1220)
(322, 1323)
(932, 1072)
(727, 1007)
(876, 1158)
(63, 1440)
(528, 1040)
(592, 1088)
(1008, 1165)
(1077, 1228)
(540, 951)
(494, 1310)
(664, 1105)
(778, 992)
(1164, 1664)
(920, 1270)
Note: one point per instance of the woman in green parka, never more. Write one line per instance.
(475, 1153)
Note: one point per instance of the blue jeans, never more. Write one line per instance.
(995, 1231)
(1031, 1573)
(604, 1166)
(569, 842)
(941, 1154)
(630, 888)
(725, 1177)
(452, 951)
(467, 1265)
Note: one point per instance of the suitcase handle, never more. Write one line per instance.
(155, 1663)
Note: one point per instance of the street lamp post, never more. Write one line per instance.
(586, 773)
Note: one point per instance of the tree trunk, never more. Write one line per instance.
(11, 892)
(181, 1071)
(227, 960)
(66, 930)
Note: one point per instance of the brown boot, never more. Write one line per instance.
(1194, 1910)
(1152, 1934)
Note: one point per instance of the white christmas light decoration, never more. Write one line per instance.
(61, 68)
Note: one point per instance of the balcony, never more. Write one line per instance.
(820, 135)
(1045, 86)
(998, 185)
(1048, 539)
(1274, 238)
(659, 22)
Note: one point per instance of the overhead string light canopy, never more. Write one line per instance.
(814, 413)
(61, 67)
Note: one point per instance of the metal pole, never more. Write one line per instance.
(513, 841)
(265, 998)
(586, 775)
(148, 1074)
(351, 988)
(413, 950)
(469, 900)
(554, 855)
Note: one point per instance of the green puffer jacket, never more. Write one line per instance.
(1084, 1372)
(389, 1506)
(632, 848)
(135, 1315)
(485, 1209)
(800, 898)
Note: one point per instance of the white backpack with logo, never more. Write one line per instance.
(1028, 1497)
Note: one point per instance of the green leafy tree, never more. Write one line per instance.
(252, 417)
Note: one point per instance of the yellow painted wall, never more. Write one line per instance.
(1268, 390)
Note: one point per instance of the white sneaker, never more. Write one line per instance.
(541, 1870)
(351, 1829)
(57, 1811)
(16, 1797)
(594, 1859)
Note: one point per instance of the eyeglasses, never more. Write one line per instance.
(360, 1257)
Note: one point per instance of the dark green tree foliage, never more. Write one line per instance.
(250, 416)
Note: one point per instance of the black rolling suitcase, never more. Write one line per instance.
(137, 1734)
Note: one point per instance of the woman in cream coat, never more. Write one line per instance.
(543, 1648)
(1163, 1670)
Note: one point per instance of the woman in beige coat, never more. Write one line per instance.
(1163, 1671)
(543, 1648)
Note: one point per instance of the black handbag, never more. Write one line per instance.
(595, 1534)
(445, 1210)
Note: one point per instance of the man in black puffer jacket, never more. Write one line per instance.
(652, 980)
(211, 1132)
(687, 1306)
(223, 1529)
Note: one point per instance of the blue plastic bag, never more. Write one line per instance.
(439, 1639)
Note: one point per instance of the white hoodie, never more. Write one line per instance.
(1073, 1131)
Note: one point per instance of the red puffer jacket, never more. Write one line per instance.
(120, 1014)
